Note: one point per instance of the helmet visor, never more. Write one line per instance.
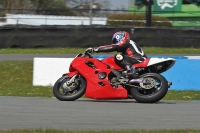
(117, 37)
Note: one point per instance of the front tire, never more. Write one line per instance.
(151, 93)
(75, 90)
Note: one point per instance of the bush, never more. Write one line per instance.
(136, 20)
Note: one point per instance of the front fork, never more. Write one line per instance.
(72, 76)
(72, 79)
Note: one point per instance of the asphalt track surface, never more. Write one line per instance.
(90, 114)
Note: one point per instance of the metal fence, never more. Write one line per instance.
(88, 17)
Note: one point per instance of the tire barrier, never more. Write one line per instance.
(86, 36)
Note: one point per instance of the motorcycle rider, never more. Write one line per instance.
(130, 52)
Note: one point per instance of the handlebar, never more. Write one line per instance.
(88, 54)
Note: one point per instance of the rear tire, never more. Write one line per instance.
(71, 92)
(153, 94)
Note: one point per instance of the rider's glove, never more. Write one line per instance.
(96, 49)
(90, 50)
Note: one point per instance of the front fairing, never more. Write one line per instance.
(98, 88)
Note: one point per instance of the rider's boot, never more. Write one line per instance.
(131, 72)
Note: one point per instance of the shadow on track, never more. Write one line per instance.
(123, 101)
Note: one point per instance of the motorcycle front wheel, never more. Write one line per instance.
(152, 90)
(69, 92)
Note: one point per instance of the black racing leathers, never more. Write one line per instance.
(131, 54)
(108, 48)
(129, 49)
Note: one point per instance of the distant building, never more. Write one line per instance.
(179, 12)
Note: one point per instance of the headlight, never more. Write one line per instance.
(102, 75)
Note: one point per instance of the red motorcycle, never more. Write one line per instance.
(103, 79)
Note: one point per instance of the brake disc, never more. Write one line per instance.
(148, 83)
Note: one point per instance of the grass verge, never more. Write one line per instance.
(16, 80)
(68, 50)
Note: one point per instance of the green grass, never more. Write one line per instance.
(122, 131)
(16, 80)
(147, 50)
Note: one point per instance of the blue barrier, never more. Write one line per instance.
(184, 75)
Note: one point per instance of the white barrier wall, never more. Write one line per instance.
(47, 70)
(30, 19)
(184, 74)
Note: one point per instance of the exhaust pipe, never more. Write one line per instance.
(169, 84)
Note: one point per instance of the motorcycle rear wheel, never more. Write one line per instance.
(64, 92)
(154, 94)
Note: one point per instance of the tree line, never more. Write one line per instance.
(51, 7)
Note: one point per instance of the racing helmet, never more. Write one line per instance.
(120, 36)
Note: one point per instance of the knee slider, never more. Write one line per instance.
(119, 57)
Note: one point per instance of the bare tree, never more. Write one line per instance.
(15, 7)
(45, 7)
(83, 7)
(51, 7)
